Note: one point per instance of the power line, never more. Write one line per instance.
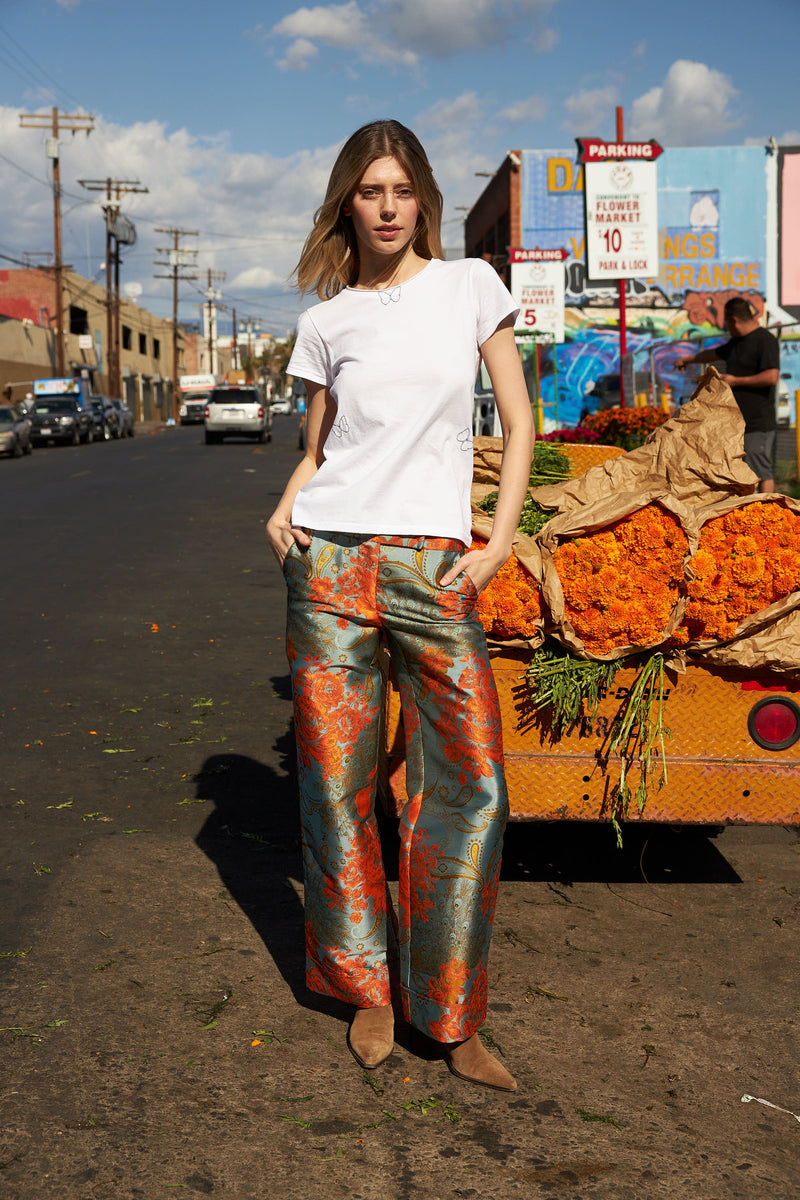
(45, 74)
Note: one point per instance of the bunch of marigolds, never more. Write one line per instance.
(622, 582)
(511, 605)
(747, 559)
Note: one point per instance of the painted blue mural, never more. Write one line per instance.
(712, 209)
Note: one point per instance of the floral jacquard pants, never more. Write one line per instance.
(349, 596)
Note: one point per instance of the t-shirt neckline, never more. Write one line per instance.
(394, 286)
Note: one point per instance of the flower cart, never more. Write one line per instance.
(645, 635)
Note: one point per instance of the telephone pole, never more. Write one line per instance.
(176, 258)
(212, 295)
(55, 123)
(115, 234)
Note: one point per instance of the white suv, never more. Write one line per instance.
(237, 411)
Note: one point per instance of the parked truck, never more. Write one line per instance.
(732, 750)
(195, 391)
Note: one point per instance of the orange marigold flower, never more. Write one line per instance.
(511, 605)
(631, 573)
(747, 559)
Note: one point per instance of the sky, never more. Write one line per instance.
(231, 114)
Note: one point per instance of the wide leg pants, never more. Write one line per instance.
(348, 595)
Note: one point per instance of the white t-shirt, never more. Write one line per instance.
(401, 366)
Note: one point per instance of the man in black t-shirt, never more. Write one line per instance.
(752, 362)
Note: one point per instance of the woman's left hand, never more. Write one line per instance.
(480, 565)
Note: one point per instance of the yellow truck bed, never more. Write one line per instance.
(716, 773)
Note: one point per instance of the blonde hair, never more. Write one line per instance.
(329, 261)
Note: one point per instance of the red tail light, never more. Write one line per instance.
(774, 723)
(261, 412)
(205, 412)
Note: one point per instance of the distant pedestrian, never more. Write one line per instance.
(373, 532)
(752, 361)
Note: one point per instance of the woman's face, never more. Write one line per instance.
(384, 208)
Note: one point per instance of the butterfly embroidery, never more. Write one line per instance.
(464, 439)
(391, 295)
(340, 427)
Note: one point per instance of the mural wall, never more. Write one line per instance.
(713, 244)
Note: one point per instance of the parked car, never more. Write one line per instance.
(193, 407)
(237, 411)
(15, 432)
(106, 418)
(284, 407)
(61, 419)
(126, 419)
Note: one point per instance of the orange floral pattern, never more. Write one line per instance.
(510, 606)
(348, 595)
(747, 559)
(622, 582)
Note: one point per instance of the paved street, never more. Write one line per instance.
(157, 1038)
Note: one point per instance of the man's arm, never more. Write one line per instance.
(703, 356)
(766, 378)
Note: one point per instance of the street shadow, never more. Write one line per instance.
(253, 839)
(586, 851)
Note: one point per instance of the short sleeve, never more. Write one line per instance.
(724, 351)
(310, 359)
(494, 301)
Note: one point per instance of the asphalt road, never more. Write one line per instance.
(156, 1034)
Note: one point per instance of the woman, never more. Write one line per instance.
(373, 533)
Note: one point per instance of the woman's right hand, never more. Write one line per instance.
(281, 535)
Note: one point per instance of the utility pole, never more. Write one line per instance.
(55, 123)
(114, 189)
(176, 258)
(235, 351)
(212, 295)
(251, 326)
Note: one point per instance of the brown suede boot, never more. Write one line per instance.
(472, 1062)
(370, 1037)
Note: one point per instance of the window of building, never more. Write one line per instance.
(126, 337)
(156, 348)
(143, 343)
(78, 320)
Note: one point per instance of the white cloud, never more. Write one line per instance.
(255, 278)
(453, 132)
(451, 115)
(402, 32)
(252, 212)
(532, 109)
(298, 55)
(590, 110)
(690, 108)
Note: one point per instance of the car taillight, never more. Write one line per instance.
(774, 723)
(261, 412)
(205, 412)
